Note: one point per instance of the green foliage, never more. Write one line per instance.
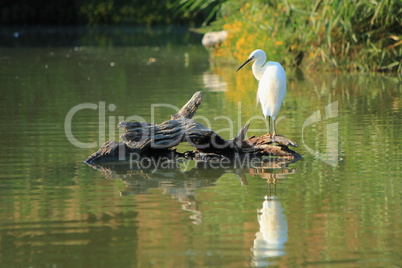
(355, 35)
(149, 12)
(111, 12)
(190, 8)
(362, 35)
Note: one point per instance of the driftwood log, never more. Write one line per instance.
(158, 140)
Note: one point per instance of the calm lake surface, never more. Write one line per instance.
(340, 206)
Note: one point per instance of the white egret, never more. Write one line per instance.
(272, 84)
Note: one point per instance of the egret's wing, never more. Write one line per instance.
(264, 95)
(259, 85)
(272, 89)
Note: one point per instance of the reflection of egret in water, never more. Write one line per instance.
(269, 241)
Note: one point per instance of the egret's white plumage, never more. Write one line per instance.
(272, 83)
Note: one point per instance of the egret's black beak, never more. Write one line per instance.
(247, 61)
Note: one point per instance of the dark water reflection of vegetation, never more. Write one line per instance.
(95, 36)
(57, 211)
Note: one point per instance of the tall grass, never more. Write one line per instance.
(362, 35)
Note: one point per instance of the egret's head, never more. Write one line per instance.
(255, 55)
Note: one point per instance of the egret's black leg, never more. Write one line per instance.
(269, 125)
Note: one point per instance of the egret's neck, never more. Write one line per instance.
(258, 70)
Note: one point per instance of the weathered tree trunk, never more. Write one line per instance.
(159, 140)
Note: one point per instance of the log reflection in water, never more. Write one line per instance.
(181, 184)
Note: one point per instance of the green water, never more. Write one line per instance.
(340, 206)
